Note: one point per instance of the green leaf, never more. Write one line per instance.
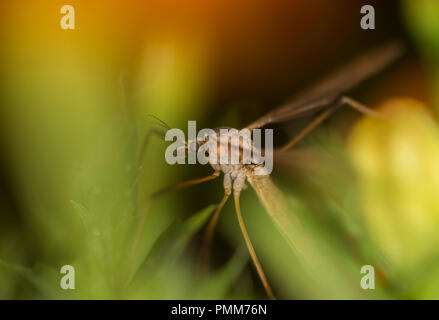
(171, 243)
(217, 285)
(45, 279)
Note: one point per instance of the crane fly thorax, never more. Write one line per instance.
(224, 148)
(231, 151)
(229, 146)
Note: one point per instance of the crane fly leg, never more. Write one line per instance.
(251, 250)
(210, 229)
(310, 127)
(360, 107)
(147, 206)
(182, 185)
(150, 132)
(145, 143)
(325, 114)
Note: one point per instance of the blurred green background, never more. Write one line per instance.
(74, 106)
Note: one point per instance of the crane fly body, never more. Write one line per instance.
(325, 97)
(231, 152)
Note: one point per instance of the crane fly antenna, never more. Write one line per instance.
(160, 122)
(152, 131)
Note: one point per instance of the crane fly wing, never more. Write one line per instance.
(334, 85)
(311, 255)
(275, 204)
(314, 254)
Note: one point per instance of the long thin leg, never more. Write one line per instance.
(360, 107)
(145, 211)
(145, 142)
(208, 234)
(252, 251)
(324, 115)
(305, 131)
(184, 184)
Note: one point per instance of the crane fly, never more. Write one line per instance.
(322, 99)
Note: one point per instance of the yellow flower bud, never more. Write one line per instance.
(397, 161)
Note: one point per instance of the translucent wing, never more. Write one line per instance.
(333, 86)
(321, 265)
(276, 206)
